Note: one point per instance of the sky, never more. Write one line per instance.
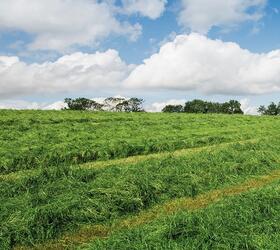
(164, 51)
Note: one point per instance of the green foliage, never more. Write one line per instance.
(232, 107)
(173, 109)
(271, 109)
(82, 104)
(200, 106)
(110, 104)
(130, 105)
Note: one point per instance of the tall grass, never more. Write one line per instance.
(247, 221)
(56, 200)
(63, 194)
(31, 139)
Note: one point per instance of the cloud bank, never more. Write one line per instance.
(188, 63)
(70, 73)
(60, 24)
(195, 62)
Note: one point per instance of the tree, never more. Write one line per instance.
(120, 104)
(262, 110)
(271, 109)
(200, 106)
(135, 105)
(82, 104)
(131, 105)
(122, 107)
(232, 107)
(111, 103)
(213, 107)
(195, 106)
(173, 109)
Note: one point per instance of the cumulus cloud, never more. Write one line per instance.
(200, 15)
(55, 106)
(195, 62)
(20, 104)
(247, 108)
(149, 8)
(70, 73)
(189, 63)
(60, 24)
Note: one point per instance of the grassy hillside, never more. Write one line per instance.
(138, 181)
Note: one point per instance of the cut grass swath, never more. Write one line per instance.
(88, 234)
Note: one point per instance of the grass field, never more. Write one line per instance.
(81, 180)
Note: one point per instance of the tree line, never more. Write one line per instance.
(109, 104)
(271, 109)
(205, 107)
(119, 104)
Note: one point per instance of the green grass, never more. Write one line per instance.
(30, 139)
(247, 221)
(59, 171)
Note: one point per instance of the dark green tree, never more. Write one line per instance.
(232, 107)
(200, 106)
(135, 104)
(195, 106)
(82, 104)
(272, 109)
(173, 109)
(122, 106)
(262, 110)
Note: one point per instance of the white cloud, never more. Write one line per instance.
(60, 24)
(189, 63)
(195, 62)
(70, 73)
(247, 108)
(149, 8)
(55, 106)
(200, 15)
(20, 104)
(158, 106)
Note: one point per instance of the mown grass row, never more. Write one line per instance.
(247, 221)
(114, 148)
(122, 161)
(31, 139)
(90, 233)
(57, 156)
(41, 208)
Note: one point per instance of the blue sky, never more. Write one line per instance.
(53, 49)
